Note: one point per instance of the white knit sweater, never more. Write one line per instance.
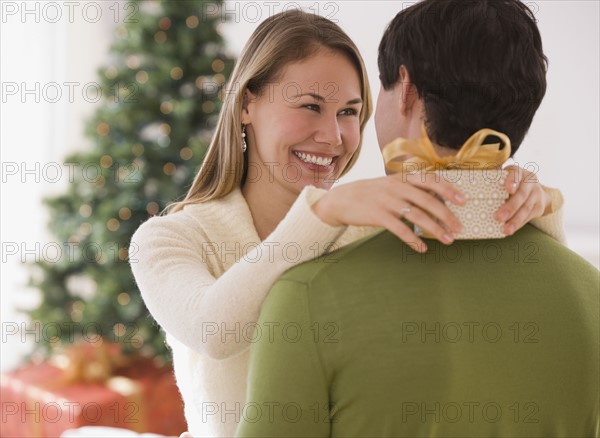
(179, 261)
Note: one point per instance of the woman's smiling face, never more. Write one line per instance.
(304, 127)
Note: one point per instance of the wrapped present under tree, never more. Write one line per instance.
(80, 388)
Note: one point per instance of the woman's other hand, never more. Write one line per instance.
(527, 200)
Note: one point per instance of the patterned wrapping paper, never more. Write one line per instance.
(485, 193)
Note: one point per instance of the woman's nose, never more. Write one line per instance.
(328, 131)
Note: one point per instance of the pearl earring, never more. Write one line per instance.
(244, 145)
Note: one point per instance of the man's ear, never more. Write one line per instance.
(409, 95)
(247, 102)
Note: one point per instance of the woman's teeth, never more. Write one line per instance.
(307, 158)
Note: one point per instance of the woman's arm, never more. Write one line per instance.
(215, 316)
(381, 206)
(551, 222)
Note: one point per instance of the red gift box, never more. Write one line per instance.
(37, 401)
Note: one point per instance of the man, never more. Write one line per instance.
(480, 338)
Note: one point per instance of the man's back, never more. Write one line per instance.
(481, 338)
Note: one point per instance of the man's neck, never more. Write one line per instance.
(444, 151)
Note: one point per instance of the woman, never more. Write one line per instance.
(291, 124)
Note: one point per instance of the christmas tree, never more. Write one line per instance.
(161, 97)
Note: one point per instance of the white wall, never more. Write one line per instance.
(563, 140)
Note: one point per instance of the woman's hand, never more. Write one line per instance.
(382, 202)
(527, 200)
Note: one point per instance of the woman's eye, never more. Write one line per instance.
(349, 112)
(313, 107)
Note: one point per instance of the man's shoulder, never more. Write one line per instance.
(529, 248)
(544, 248)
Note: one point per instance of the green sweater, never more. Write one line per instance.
(489, 338)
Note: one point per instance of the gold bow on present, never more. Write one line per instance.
(404, 155)
(89, 362)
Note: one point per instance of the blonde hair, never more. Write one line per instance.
(283, 38)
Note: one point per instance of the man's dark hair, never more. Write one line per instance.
(475, 63)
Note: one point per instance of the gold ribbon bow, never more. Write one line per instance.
(90, 362)
(402, 155)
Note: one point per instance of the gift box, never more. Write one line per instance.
(475, 170)
(485, 193)
(38, 401)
